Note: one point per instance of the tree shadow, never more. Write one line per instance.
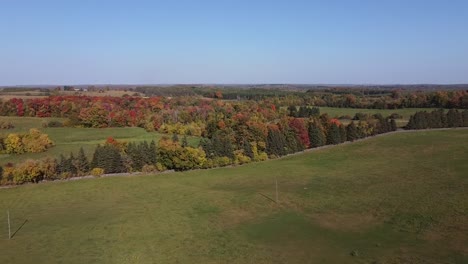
(21, 226)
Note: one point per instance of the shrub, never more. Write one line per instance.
(54, 123)
(97, 172)
(222, 161)
(160, 167)
(240, 158)
(65, 175)
(149, 168)
(6, 125)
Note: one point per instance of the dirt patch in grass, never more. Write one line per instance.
(452, 236)
(234, 217)
(345, 222)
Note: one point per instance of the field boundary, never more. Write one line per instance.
(135, 174)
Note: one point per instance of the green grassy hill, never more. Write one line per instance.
(398, 198)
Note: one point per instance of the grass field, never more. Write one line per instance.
(405, 113)
(71, 139)
(398, 198)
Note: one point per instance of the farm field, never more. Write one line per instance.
(405, 112)
(398, 198)
(71, 139)
(337, 112)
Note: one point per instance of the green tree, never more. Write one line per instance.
(316, 136)
(82, 163)
(333, 135)
(184, 141)
(175, 137)
(351, 132)
(108, 157)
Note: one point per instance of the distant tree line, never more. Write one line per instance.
(438, 119)
(221, 147)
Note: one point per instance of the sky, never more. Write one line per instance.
(233, 42)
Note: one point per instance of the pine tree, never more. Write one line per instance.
(292, 111)
(175, 137)
(134, 156)
(184, 141)
(342, 133)
(62, 166)
(248, 149)
(81, 162)
(293, 144)
(207, 146)
(152, 152)
(316, 136)
(108, 158)
(145, 152)
(393, 125)
(276, 143)
(465, 118)
(333, 135)
(454, 118)
(71, 164)
(351, 132)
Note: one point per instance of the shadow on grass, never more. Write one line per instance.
(21, 226)
(267, 197)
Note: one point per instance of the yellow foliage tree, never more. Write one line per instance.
(14, 144)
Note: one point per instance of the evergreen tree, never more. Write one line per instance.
(454, 118)
(108, 158)
(81, 162)
(351, 132)
(71, 164)
(207, 146)
(342, 133)
(62, 166)
(248, 149)
(465, 118)
(292, 111)
(316, 136)
(333, 135)
(184, 141)
(393, 125)
(175, 137)
(293, 144)
(152, 152)
(303, 112)
(145, 152)
(133, 153)
(276, 143)
(222, 146)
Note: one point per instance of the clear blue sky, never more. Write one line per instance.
(143, 42)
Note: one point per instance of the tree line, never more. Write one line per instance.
(438, 119)
(223, 146)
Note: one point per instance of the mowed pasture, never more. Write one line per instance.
(397, 198)
(69, 139)
(405, 113)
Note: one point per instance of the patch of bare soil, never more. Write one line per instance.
(234, 217)
(451, 234)
(345, 222)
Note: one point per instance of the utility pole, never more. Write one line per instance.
(276, 180)
(9, 228)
